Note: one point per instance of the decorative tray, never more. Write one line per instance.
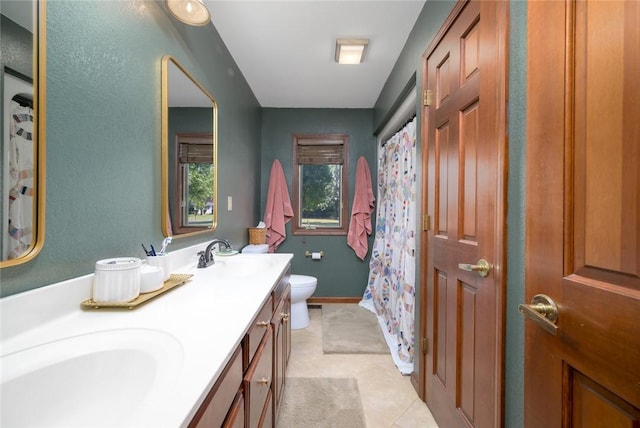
(174, 280)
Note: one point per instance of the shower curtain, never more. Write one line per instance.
(390, 292)
(20, 180)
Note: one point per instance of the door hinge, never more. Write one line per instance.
(426, 97)
(425, 345)
(426, 222)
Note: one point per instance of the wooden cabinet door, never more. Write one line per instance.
(235, 418)
(464, 173)
(287, 328)
(279, 335)
(221, 398)
(583, 213)
(281, 347)
(257, 382)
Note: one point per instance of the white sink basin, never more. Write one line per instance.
(239, 266)
(236, 266)
(98, 379)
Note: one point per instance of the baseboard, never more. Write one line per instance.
(320, 300)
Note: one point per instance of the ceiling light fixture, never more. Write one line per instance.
(192, 12)
(351, 51)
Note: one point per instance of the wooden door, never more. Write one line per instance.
(464, 173)
(583, 213)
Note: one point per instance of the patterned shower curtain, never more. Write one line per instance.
(390, 291)
(20, 180)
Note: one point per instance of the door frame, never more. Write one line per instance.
(497, 16)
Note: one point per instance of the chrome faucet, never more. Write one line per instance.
(206, 256)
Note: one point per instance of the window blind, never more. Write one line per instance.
(320, 152)
(200, 151)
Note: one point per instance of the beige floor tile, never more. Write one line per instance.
(416, 416)
(388, 398)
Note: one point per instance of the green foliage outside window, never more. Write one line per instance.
(321, 194)
(200, 186)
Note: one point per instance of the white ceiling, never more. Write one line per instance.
(19, 11)
(285, 49)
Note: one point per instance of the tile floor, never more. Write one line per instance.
(388, 398)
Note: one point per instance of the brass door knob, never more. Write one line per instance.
(483, 267)
(543, 311)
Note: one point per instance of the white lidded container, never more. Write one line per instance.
(151, 278)
(116, 280)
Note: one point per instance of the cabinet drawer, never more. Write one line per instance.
(257, 381)
(258, 329)
(214, 410)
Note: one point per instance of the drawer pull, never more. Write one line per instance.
(263, 381)
(262, 323)
(284, 316)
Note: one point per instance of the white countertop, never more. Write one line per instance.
(208, 317)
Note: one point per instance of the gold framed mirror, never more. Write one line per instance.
(189, 153)
(22, 206)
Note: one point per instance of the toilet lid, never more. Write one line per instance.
(256, 249)
(302, 280)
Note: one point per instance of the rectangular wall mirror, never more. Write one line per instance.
(22, 120)
(189, 153)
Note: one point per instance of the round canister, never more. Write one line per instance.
(116, 280)
(164, 262)
(151, 278)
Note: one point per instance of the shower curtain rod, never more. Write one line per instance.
(23, 101)
(400, 128)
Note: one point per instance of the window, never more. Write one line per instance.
(194, 183)
(320, 184)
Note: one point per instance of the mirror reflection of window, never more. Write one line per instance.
(189, 139)
(194, 203)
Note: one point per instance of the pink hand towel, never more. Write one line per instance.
(363, 204)
(278, 210)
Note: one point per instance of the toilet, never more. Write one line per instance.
(302, 287)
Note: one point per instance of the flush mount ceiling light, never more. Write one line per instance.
(192, 12)
(351, 51)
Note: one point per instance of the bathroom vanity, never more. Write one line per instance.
(211, 352)
(249, 391)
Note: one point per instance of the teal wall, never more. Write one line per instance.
(514, 345)
(340, 273)
(16, 46)
(103, 134)
(103, 148)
